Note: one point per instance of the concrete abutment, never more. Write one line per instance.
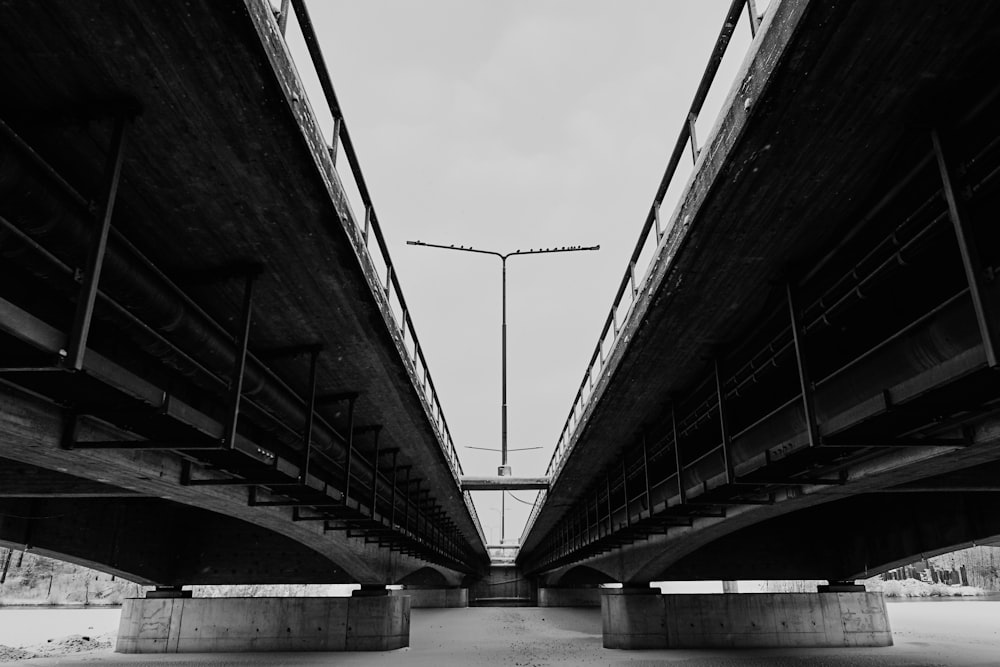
(642, 618)
(569, 596)
(434, 597)
(206, 625)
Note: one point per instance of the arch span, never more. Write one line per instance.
(854, 538)
(577, 575)
(156, 541)
(431, 577)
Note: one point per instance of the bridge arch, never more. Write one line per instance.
(853, 538)
(430, 577)
(159, 542)
(577, 575)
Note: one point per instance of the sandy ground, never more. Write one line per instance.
(926, 633)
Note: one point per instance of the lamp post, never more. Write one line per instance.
(504, 469)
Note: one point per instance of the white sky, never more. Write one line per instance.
(506, 125)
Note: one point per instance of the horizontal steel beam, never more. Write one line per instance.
(504, 483)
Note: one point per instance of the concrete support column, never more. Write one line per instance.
(570, 596)
(365, 622)
(635, 618)
(434, 597)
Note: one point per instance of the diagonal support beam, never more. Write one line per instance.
(958, 193)
(95, 261)
(805, 384)
(310, 416)
(240, 364)
(723, 425)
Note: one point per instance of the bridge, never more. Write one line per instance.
(209, 373)
(802, 384)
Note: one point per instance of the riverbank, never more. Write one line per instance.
(963, 633)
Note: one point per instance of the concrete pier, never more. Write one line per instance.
(206, 625)
(638, 618)
(573, 596)
(431, 597)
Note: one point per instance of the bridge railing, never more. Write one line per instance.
(652, 233)
(295, 15)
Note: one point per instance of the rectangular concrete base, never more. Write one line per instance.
(427, 598)
(637, 619)
(206, 625)
(569, 597)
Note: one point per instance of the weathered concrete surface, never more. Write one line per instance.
(245, 177)
(434, 598)
(583, 596)
(644, 619)
(209, 625)
(31, 429)
(771, 191)
(957, 634)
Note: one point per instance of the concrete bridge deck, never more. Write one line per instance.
(241, 309)
(802, 385)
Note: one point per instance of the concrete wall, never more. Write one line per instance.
(636, 619)
(504, 585)
(206, 625)
(581, 596)
(434, 597)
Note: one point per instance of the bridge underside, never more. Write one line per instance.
(224, 343)
(818, 333)
(148, 540)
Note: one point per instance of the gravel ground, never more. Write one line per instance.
(960, 633)
(65, 646)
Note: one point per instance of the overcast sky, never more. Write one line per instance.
(506, 125)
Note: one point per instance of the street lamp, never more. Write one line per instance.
(504, 469)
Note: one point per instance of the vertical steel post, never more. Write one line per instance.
(6, 565)
(754, 17)
(645, 474)
(692, 119)
(240, 363)
(628, 513)
(283, 17)
(336, 138)
(392, 494)
(503, 522)
(656, 221)
(607, 484)
(957, 193)
(681, 491)
(723, 424)
(503, 381)
(350, 448)
(95, 260)
(378, 431)
(310, 417)
(805, 385)
(597, 514)
(416, 511)
(406, 502)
